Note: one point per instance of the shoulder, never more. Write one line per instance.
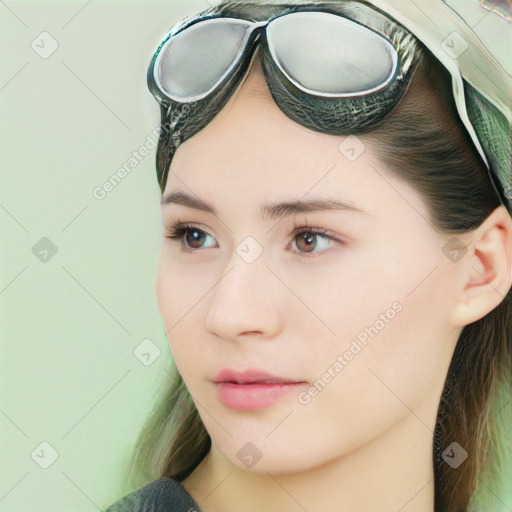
(162, 495)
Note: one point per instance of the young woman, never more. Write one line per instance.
(335, 273)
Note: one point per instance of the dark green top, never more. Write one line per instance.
(162, 495)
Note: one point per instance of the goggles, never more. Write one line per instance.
(325, 70)
(320, 53)
(338, 70)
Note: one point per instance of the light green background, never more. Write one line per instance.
(70, 325)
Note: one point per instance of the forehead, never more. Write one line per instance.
(252, 153)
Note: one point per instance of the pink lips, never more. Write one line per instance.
(252, 389)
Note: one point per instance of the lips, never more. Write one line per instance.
(250, 376)
(253, 389)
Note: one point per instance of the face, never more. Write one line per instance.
(354, 318)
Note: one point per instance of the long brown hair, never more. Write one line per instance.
(423, 142)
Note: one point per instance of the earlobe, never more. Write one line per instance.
(486, 269)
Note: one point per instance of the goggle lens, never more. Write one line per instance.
(331, 55)
(195, 61)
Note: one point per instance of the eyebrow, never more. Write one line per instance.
(268, 211)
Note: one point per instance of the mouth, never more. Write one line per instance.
(252, 389)
(251, 376)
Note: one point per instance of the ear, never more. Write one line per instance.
(485, 272)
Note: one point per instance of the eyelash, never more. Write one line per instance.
(178, 230)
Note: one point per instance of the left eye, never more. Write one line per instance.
(304, 238)
(307, 240)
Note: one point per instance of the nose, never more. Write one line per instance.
(246, 301)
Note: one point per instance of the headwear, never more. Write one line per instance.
(481, 83)
(482, 88)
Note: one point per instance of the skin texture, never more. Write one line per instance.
(364, 442)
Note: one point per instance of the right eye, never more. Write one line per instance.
(189, 236)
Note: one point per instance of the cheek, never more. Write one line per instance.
(412, 352)
(179, 294)
(355, 291)
(390, 322)
(394, 356)
(178, 287)
(366, 289)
